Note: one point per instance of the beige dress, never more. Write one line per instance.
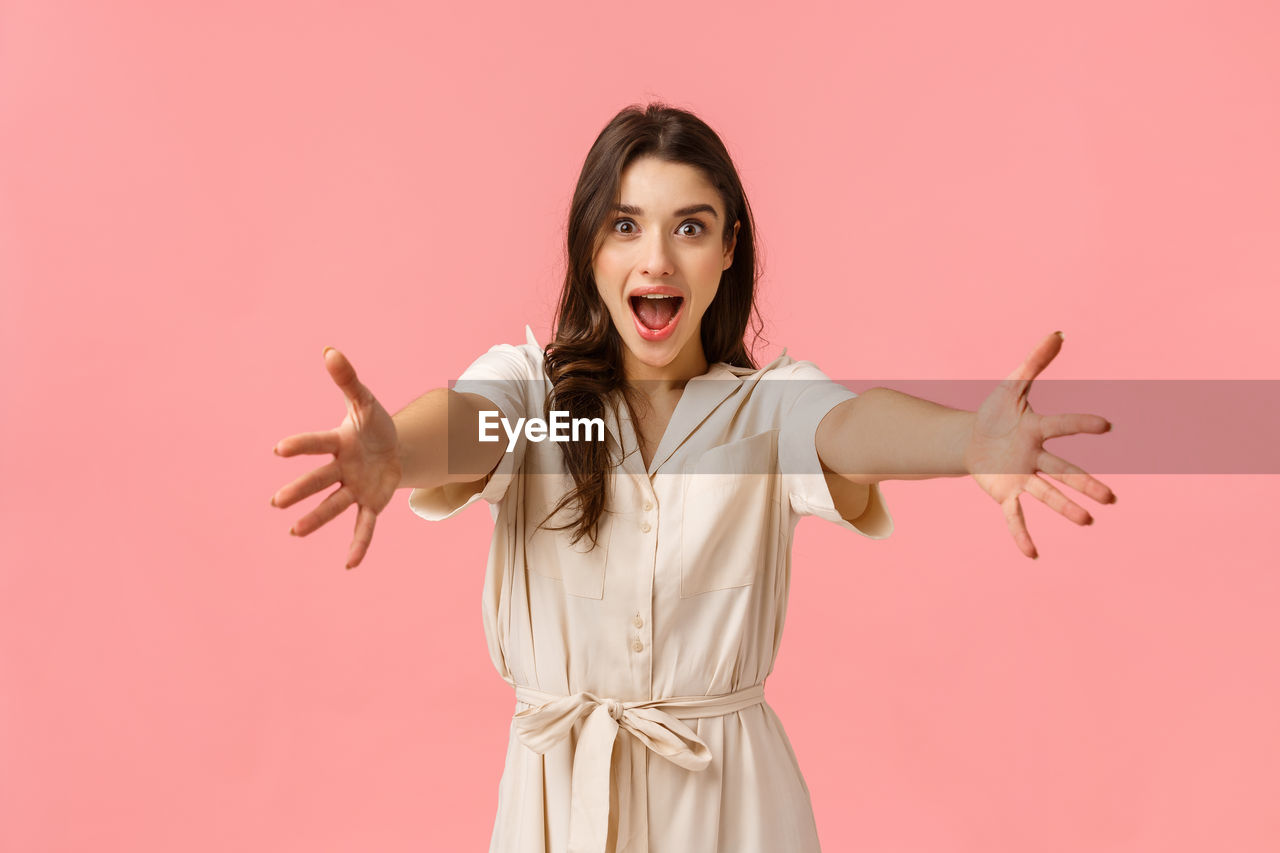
(640, 724)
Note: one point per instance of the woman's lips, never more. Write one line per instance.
(666, 331)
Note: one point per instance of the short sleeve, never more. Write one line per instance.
(507, 376)
(806, 403)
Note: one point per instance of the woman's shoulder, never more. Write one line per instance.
(510, 361)
(532, 352)
(784, 366)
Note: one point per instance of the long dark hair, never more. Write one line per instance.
(584, 358)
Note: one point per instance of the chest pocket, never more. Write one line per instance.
(728, 497)
(550, 553)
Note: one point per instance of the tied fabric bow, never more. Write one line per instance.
(541, 728)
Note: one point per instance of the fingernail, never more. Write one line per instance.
(1060, 335)
(292, 532)
(326, 351)
(273, 500)
(276, 450)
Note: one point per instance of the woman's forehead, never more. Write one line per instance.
(657, 187)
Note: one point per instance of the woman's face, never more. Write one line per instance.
(659, 263)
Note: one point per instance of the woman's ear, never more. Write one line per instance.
(733, 244)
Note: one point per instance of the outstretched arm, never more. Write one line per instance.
(884, 434)
(439, 440)
(898, 437)
(375, 454)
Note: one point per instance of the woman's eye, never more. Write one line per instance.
(692, 228)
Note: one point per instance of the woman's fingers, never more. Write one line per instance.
(1075, 477)
(1057, 501)
(1018, 526)
(361, 407)
(330, 508)
(1053, 426)
(365, 520)
(308, 442)
(307, 485)
(1038, 360)
(345, 376)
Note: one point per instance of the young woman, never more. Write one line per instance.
(637, 579)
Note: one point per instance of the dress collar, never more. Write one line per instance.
(702, 394)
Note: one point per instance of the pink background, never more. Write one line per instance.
(193, 203)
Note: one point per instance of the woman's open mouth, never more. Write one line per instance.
(656, 314)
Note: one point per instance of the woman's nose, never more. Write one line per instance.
(657, 257)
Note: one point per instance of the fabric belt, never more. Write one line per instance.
(653, 724)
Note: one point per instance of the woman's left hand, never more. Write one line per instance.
(1006, 450)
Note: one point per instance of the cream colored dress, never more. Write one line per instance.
(640, 724)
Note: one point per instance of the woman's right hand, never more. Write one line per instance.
(366, 462)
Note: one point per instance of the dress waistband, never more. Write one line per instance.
(653, 724)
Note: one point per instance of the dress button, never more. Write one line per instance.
(638, 646)
(648, 505)
(639, 623)
(645, 527)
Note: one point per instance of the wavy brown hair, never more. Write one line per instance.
(584, 358)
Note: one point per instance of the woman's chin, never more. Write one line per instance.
(654, 355)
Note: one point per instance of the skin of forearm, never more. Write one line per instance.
(440, 422)
(884, 434)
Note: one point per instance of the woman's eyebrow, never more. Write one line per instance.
(632, 210)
